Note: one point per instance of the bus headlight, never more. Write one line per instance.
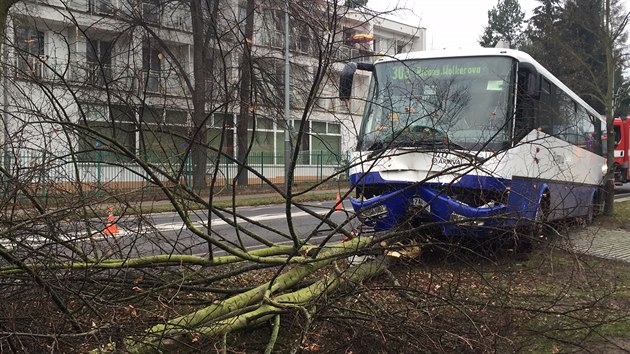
(376, 211)
(464, 220)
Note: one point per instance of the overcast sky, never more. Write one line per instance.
(450, 23)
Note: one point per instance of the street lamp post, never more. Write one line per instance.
(287, 108)
(5, 114)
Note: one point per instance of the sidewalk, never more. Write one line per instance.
(602, 242)
(260, 198)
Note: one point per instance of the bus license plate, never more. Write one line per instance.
(420, 203)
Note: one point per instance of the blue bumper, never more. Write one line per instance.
(429, 204)
(426, 204)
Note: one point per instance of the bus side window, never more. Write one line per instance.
(596, 132)
(547, 107)
(586, 130)
(566, 126)
(525, 109)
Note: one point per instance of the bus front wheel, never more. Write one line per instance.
(542, 212)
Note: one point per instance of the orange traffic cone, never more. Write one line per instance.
(111, 228)
(338, 203)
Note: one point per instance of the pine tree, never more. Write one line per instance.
(505, 22)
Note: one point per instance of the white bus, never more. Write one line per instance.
(473, 141)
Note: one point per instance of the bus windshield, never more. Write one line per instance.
(465, 103)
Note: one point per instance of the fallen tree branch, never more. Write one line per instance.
(199, 321)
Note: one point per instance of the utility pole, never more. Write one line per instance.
(5, 111)
(287, 107)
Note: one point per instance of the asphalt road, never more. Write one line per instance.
(165, 233)
(622, 191)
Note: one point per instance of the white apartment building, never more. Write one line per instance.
(79, 72)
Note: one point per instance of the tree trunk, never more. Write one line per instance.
(609, 181)
(245, 97)
(5, 6)
(199, 141)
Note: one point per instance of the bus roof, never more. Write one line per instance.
(482, 52)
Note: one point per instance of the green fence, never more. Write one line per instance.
(45, 172)
(310, 167)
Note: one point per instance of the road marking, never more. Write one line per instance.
(163, 227)
(240, 221)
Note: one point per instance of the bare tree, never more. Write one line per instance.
(118, 121)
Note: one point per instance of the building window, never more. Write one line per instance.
(164, 135)
(276, 35)
(400, 47)
(270, 80)
(151, 11)
(221, 137)
(390, 46)
(301, 83)
(271, 71)
(152, 67)
(262, 151)
(304, 156)
(101, 125)
(99, 62)
(242, 12)
(30, 52)
(325, 143)
(303, 39)
(101, 7)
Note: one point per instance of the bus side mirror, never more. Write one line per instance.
(347, 76)
(532, 79)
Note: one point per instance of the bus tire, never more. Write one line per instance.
(590, 214)
(542, 212)
(595, 208)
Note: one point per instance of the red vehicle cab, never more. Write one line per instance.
(622, 148)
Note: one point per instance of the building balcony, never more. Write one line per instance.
(93, 73)
(31, 68)
(299, 44)
(101, 76)
(345, 53)
(162, 82)
(125, 79)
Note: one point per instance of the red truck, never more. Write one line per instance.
(622, 148)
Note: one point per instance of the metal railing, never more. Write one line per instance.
(94, 73)
(45, 174)
(31, 67)
(345, 53)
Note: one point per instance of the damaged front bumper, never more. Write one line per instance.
(426, 204)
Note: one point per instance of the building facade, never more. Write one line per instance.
(97, 81)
